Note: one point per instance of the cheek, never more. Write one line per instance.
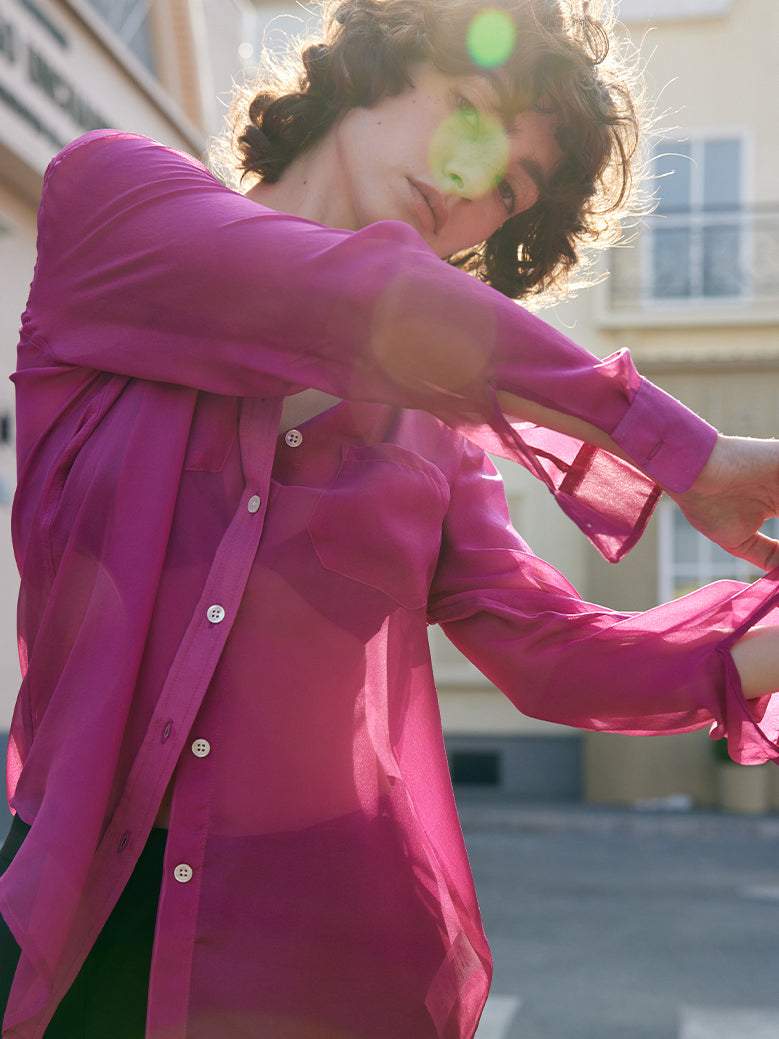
(526, 198)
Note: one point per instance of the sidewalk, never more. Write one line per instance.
(480, 811)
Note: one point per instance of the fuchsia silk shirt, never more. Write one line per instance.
(244, 610)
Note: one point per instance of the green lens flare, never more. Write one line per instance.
(491, 38)
(469, 153)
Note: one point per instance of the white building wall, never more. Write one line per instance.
(63, 71)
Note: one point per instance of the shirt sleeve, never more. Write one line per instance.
(564, 660)
(149, 267)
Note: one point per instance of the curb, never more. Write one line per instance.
(480, 816)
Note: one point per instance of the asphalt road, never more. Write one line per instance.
(627, 925)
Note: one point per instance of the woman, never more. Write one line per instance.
(250, 475)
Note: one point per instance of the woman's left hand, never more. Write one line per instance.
(737, 491)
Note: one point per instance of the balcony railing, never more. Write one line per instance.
(705, 258)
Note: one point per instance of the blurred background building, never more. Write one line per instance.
(695, 298)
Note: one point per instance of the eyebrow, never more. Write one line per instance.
(508, 103)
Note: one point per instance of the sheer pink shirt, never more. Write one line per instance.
(205, 599)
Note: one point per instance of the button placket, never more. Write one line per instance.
(183, 696)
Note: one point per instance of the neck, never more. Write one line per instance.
(308, 188)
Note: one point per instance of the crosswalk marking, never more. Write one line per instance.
(496, 1019)
(767, 892)
(694, 1022)
(699, 1023)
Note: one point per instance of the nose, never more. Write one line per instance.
(469, 153)
(465, 179)
(454, 182)
(472, 158)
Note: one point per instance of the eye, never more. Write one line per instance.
(468, 111)
(507, 196)
(544, 105)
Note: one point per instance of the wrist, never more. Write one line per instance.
(756, 656)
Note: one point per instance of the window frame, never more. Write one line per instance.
(697, 218)
(147, 56)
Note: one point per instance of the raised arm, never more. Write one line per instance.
(149, 268)
(702, 660)
(735, 493)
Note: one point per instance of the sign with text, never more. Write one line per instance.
(37, 81)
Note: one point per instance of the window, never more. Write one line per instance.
(697, 245)
(688, 560)
(475, 768)
(130, 21)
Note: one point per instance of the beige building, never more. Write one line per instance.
(696, 300)
(68, 66)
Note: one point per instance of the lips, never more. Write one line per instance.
(430, 206)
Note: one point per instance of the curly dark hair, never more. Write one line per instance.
(565, 52)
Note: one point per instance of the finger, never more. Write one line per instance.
(759, 550)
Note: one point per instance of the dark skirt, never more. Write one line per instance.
(109, 996)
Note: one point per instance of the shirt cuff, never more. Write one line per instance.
(665, 439)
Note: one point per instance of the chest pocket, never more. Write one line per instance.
(379, 522)
(213, 432)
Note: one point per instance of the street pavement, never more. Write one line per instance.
(627, 924)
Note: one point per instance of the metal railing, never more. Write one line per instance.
(701, 258)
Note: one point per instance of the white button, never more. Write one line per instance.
(216, 614)
(201, 748)
(183, 873)
(293, 438)
(254, 503)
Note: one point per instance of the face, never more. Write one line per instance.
(439, 158)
